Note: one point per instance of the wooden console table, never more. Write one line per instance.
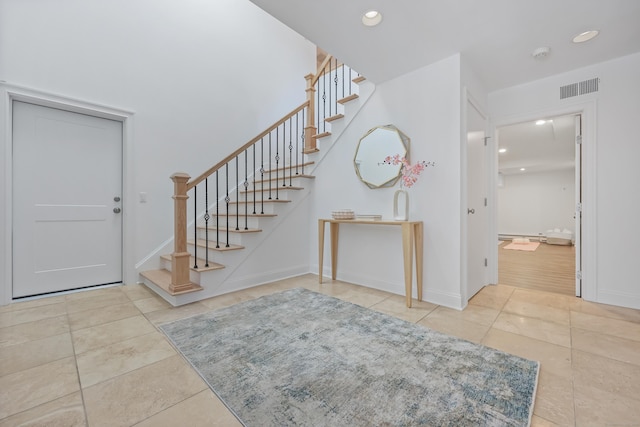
(412, 236)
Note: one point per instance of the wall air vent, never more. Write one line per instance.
(580, 88)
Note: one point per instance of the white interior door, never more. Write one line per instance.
(67, 185)
(476, 202)
(578, 214)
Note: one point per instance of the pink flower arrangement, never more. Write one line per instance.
(409, 172)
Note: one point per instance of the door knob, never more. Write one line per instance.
(471, 211)
(116, 210)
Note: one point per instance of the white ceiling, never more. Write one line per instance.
(537, 148)
(495, 36)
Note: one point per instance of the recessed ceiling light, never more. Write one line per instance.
(586, 36)
(541, 122)
(372, 18)
(502, 150)
(523, 169)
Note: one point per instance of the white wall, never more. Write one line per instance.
(201, 78)
(531, 203)
(611, 149)
(424, 104)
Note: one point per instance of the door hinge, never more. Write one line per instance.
(579, 207)
(485, 262)
(485, 201)
(485, 140)
(578, 139)
(579, 275)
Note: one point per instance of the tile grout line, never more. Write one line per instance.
(496, 318)
(75, 361)
(75, 356)
(573, 385)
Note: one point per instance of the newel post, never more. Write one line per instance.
(180, 257)
(310, 129)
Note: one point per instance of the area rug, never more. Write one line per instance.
(525, 246)
(300, 358)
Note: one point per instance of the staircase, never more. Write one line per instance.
(262, 182)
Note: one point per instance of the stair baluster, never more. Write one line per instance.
(195, 229)
(246, 193)
(206, 222)
(217, 213)
(227, 199)
(237, 201)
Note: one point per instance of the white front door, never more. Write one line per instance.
(67, 189)
(476, 202)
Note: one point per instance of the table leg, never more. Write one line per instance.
(334, 226)
(407, 253)
(320, 248)
(419, 242)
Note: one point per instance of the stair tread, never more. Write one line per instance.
(332, 118)
(162, 279)
(231, 229)
(252, 215)
(348, 98)
(300, 175)
(280, 188)
(287, 167)
(201, 264)
(359, 79)
(212, 245)
(321, 135)
(242, 202)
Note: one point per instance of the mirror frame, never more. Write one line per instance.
(392, 177)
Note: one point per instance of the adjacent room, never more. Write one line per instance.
(538, 191)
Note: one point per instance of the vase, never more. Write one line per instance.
(401, 205)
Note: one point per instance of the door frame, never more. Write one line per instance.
(10, 93)
(588, 176)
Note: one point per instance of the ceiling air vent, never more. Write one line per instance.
(580, 88)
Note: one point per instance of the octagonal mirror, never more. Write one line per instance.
(374, 146)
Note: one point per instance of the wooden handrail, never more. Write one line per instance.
(320, 70)
(233, 155)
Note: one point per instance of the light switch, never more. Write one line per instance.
(143, 197)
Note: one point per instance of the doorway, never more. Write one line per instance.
(538, 204)
(66, 200)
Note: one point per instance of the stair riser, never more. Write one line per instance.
(289, 174)
(252, 222)
(264, 187)
(282, 193)
(277, 192)
(234, 238)
(223, 257)
(267, 207)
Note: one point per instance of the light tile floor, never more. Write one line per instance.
(96, 357)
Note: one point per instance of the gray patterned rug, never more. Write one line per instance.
(299, 358)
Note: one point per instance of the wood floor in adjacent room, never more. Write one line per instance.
(550, 268)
